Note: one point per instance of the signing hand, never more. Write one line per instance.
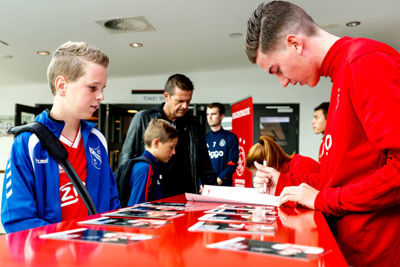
(266, 175)
(303, 194)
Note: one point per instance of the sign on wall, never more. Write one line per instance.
(151, 96)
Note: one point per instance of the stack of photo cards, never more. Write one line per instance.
(169, 205)
(236, 218)
(248, 207)
(237, 228)
(271, 248)
(101, 236)
(133, 223)
(127, 213)
(243, 219)
(248, 210)
(154, 210)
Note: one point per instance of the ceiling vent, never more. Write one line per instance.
(121, 25)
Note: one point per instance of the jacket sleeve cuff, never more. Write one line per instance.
(328, 201)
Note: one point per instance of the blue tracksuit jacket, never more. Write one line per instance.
(141, 181)
(223, 149)
(31, 195)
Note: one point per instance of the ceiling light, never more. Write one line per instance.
(135, 44)
(6, 56)
(43, 53)
(132, 111)
(236, 35)
(353, 24)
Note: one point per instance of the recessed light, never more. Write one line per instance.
(135, 44)
(6, 56)
(43, 53)
(132, 111)
(353, 24)
(236, 35)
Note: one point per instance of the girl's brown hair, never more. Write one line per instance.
(267, 149)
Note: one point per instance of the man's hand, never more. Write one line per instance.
(219, 181)
(265, 175)
(303, 194)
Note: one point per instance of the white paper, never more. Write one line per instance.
(229, 194)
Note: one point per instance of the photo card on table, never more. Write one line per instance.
(271, 248)
(99, 236)
(134, 223)
(238, 228)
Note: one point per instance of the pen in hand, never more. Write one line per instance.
(265, 184)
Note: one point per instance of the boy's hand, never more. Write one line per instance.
(265, 175)
(219, 181)
(303, 194)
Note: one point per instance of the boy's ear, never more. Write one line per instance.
(295, 42)
(61, 85)
(156, 142)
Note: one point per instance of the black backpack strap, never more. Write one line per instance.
(123, 175)
(56, 150)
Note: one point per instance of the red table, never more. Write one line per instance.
(175, 246)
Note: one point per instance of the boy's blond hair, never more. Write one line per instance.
(161, 129)
(69, 60)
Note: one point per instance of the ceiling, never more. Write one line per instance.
(188, 35)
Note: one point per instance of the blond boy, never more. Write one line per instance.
(160, 139)
(36, 189)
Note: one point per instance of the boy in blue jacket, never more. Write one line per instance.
(160, 139)
(36, 189)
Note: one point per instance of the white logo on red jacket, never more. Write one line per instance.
(327, 145)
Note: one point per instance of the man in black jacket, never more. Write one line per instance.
(191, 163)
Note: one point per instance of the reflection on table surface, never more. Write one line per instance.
(174, 244)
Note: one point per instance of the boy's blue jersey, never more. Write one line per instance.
(31, 190)
(223, 149)
(141, 181)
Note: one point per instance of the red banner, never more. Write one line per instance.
(242, 126)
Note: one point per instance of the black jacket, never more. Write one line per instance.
(191, 162)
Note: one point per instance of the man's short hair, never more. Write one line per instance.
(324, 106)
(273, 21)
(178, 81)
(161, 129)
(69, 60)
(221, 108)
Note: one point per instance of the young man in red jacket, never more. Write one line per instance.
(319, 124)
(359, 183)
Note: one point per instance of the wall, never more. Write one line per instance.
(227, 86)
